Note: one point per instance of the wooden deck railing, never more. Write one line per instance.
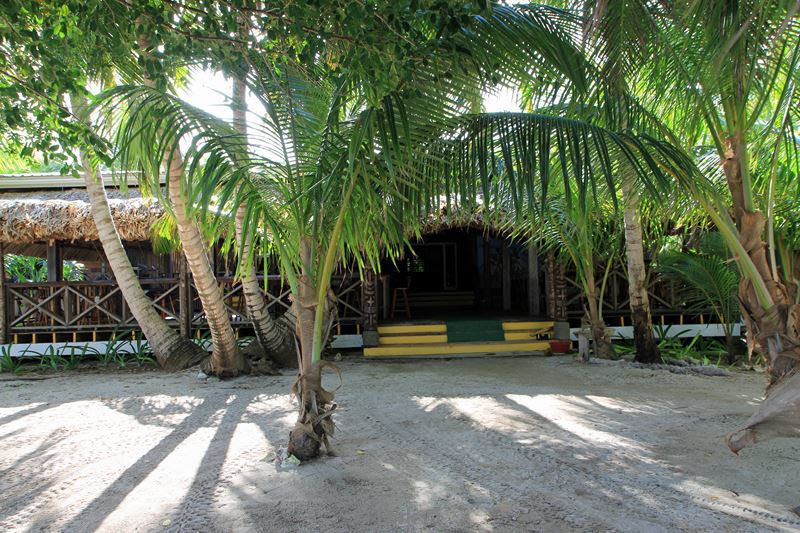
(98, 306)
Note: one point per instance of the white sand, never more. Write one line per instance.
(527, 444)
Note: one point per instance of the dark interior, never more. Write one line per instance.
(459, 272)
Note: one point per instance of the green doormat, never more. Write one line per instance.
(474, 330)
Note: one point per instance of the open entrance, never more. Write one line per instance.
(463, 273)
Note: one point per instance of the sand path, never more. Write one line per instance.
(524, 444)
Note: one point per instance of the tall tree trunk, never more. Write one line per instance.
(226, 358)
(275, 338)
(172, 351)
(643, 338)
(769, 328)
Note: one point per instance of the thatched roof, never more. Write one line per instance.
(66, 216)
(461, 218)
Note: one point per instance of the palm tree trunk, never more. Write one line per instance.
(600, 340)
(643, 338)
(275, 338)
(226, 358)
(768, 327)
(305, 439)
(772, 329)
(172, 351)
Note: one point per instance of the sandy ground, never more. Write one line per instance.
(527, 444)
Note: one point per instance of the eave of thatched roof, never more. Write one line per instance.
(461, 218)
(66, 216)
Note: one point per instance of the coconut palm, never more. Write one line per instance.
(172, 351)
(725, 75)
(274, 337)
(78, 58)
(331, 177)
(579, 229)
(710, 280)
(226, 357)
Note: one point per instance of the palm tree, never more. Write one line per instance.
(226, 357)
(724, 75)
(646, 346)
(274, 338)
(64, 67)
(334, 175)
(577, 228)
(710, 281)
(172, 351)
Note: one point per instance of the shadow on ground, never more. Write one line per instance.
(493, 444)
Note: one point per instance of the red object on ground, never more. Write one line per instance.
(560, 346)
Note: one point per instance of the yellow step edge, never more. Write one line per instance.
(517, 326)
(521, 335)
(411, 328)
(413, 339)
(456, 348)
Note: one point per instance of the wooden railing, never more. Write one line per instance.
(81, 305)
(664, 295)
(98, 306)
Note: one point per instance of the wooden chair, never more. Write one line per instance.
(403, 291)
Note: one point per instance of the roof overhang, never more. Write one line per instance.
(44, 181)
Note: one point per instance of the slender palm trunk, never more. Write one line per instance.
(768, 327)
(172, 351)
(600, 339)
(274, 338)
(643, 338)
(226, 358)
(309, 433)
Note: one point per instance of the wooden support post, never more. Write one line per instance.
(55, 271)
(3, 312)
(369, 307)
(560, 283)
(184, 296)
(534, 296)
(506, 276)
(55, 266)
(549, 284)
(556, 286)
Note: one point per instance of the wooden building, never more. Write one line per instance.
(460, 277)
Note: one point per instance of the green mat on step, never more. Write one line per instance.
(474, 330)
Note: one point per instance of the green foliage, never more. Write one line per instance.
(124, 349)
(8, 363)
(708, 278)
(23, 269)
(693, 350)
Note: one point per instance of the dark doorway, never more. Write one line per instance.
(459, 272)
